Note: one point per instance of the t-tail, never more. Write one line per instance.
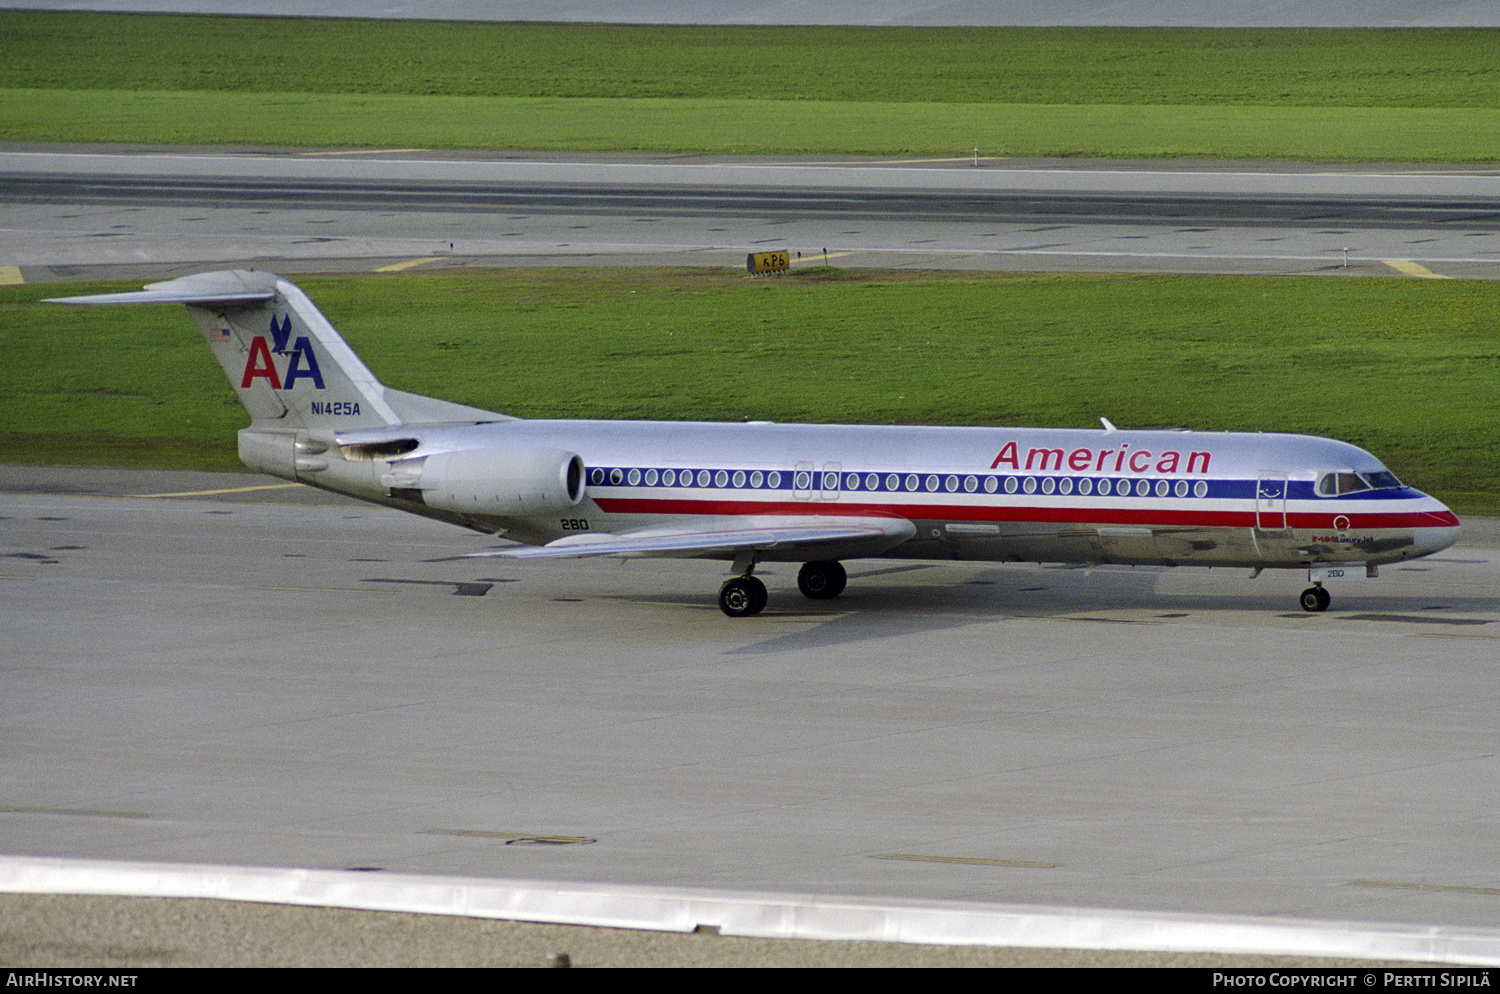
(293, 372)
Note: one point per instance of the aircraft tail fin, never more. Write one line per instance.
(285, 360)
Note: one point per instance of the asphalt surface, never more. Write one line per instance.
(1475, 213)
(272, 676)
(75, 214)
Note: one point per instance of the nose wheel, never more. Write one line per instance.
(1315, 598)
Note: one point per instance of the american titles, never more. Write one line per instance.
(1084, 460)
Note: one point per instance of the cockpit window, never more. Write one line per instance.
(1334, 484)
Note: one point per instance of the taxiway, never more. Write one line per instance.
(222, 669)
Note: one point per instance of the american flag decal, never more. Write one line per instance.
(217, 335)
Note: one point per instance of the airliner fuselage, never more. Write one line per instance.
(1165, 497)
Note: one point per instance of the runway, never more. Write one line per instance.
(73, 214)
(256, 674)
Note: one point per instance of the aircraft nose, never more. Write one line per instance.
(1438, 529)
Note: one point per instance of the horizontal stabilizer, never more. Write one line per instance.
(169, 297)
(222, 289)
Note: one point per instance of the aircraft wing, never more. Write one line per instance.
(831, 536)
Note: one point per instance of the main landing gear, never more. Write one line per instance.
(820, 581)
(1315, 598)
(744, 596)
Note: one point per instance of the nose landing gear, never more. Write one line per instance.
(1315, 598)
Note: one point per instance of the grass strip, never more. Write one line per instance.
(1338, 95)
(1002, 65)
(1407, 369)
(751, 127)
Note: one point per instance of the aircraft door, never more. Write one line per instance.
(803, 482)
(1270, 503)
(832, 480)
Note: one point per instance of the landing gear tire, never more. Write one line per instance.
(742, 597)
(1316, 599)
(820, 581)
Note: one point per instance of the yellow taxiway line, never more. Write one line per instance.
(1414, 269)
(231, 490)
(818, 257)
(11, 276)
(973, 860)
(396, 267)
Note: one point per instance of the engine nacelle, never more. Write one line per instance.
(273, 452)
(509, 483)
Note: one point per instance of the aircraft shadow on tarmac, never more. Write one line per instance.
(871, 610)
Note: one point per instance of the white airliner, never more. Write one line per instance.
(814, 494)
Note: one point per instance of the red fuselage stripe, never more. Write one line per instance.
(1158, 517)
